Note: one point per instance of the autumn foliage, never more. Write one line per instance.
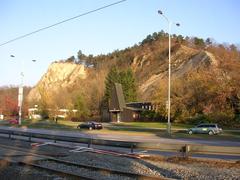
(206, 93)
(9, 101)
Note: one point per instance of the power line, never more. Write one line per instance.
(61, 22)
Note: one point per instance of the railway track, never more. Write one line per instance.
(70, 169)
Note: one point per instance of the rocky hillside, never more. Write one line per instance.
(149, 72)
(198, 68)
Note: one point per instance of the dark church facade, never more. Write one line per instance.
(120, 111)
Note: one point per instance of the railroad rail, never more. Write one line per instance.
(102, 172)
(185, 149)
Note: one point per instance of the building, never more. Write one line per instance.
(119, 110)
(34, 113)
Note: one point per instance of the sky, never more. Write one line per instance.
(102, 32)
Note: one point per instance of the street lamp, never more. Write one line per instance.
(169, 70)
(20, 93)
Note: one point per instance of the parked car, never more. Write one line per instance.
(13, 121)
(205, 129)
(90, 125)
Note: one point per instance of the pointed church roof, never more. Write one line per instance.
(117, 101)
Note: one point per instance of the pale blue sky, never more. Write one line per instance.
(101, 32)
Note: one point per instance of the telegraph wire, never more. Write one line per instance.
(61, 22)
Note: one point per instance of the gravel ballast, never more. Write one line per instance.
(176, 168)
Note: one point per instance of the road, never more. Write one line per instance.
(128, 137)
(133, 138)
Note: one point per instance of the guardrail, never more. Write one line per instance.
(185, 149)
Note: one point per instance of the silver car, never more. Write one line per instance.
(205, 129)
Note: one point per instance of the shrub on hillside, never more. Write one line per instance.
(151, 116)
(198, 119)
(223, 118)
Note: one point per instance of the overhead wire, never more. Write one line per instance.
(61, 22)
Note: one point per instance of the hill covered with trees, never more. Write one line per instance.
(205, 79)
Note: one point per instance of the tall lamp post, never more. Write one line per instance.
(169, 70)
(20, 94)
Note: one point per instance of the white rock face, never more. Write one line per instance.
(61, 72)
(58, 75)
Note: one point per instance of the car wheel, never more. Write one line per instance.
(190, 132)
(90, 128)
(210, 133)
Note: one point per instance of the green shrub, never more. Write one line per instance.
(237, 121)
(198, 119)
(223, 118)
(148, 115)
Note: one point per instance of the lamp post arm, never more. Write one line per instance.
(166, 18)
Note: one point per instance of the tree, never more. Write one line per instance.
(198, 94)
(80, 55)
(126, 78)
(155, 36)
(112, 77)
(187, 38)
(8, 101)
(70, 59)
(148, 39)
(208, 41)
(233, 47)
(45, 102)
(80, 105)
(199, 42)
(129, 87)
(179, 39)
(11, 107)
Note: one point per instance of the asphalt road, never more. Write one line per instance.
(133, 138)
(129, 137)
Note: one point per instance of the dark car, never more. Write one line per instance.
(90, 125)
(205, 129)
